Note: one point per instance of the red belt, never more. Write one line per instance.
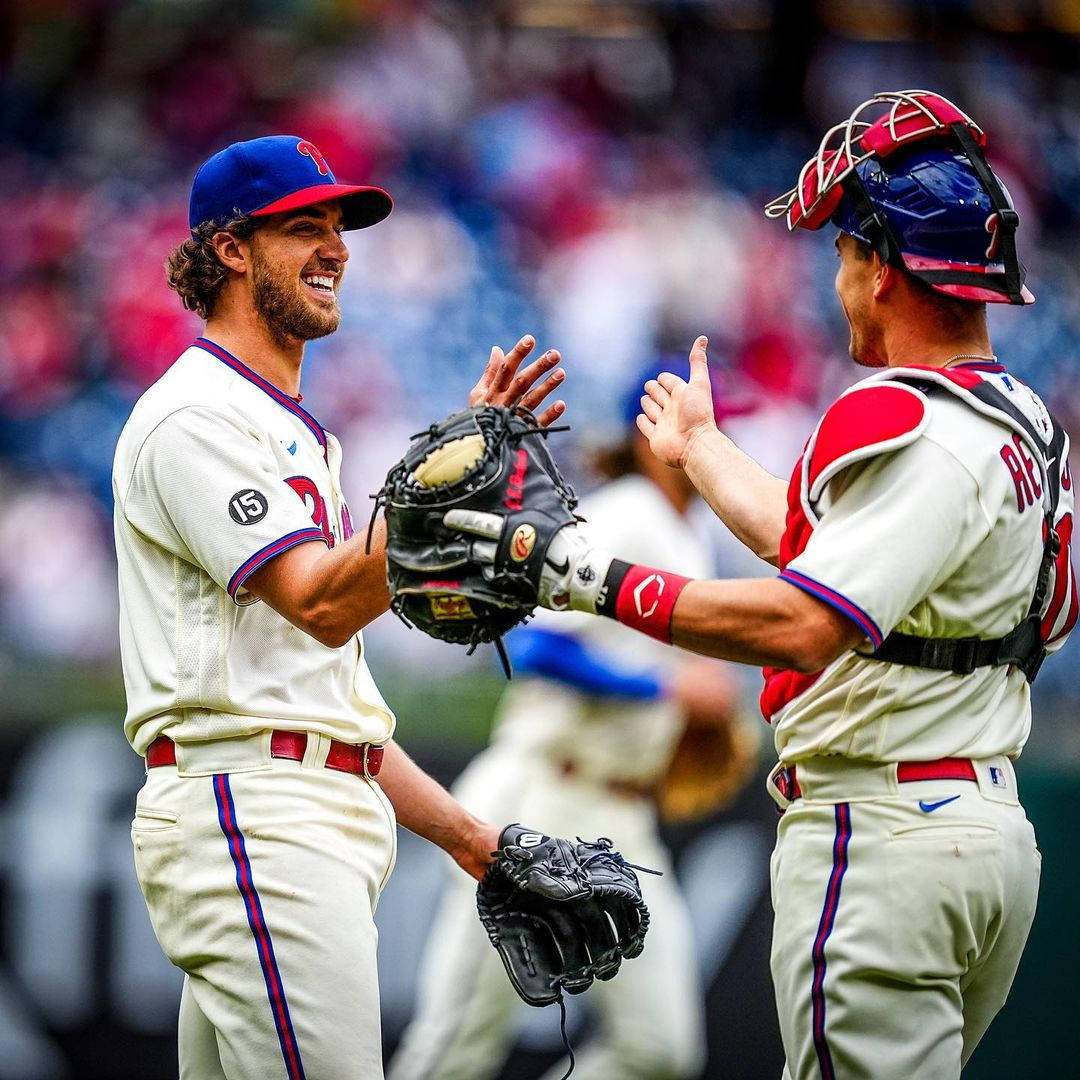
(906, 771)
(363, 760)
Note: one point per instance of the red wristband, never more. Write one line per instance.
(643, 598)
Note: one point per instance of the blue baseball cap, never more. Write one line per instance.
(274, 174)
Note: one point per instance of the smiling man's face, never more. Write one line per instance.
(297, 262)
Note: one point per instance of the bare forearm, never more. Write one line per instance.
(751, 502)
(350, 583)
(764, 622)
(425, 807)
(330, 593)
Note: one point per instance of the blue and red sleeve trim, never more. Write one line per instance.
(838, 601)
(301, 536)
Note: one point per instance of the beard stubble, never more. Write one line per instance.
(284, 310)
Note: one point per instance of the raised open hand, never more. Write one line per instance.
(503, 384)
(675, 413)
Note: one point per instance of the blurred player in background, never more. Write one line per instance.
(599, 726)
(262, 838)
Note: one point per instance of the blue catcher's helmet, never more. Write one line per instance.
(914, 185)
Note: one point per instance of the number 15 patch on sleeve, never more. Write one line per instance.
(248, 507)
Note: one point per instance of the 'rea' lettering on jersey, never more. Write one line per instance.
(216, 473)
(915, 508)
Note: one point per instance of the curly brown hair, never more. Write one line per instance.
(193, 269)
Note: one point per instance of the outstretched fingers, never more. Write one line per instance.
(483, 385)
(504, 384)
(673, 410)
(499, 373)
(528, 389)
(652, 410)
(504, 374)
(551, 413)
(669, 382)
(659, 390)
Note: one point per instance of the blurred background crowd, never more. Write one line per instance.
(590, 171)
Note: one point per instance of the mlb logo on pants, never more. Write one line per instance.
(997, 776)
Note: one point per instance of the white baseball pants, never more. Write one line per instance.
(261, 877)
(902, 911)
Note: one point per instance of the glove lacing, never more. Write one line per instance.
(604, 851)
(519, 854)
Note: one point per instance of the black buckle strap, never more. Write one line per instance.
(1008, 218)
(872, 224)
(959, 655)
(1021, 646)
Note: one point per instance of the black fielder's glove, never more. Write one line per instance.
(489, 460)
(561, 914)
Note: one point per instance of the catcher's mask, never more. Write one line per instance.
(906, 174)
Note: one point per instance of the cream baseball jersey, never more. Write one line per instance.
(917, 508)
(611, 737)
(217, 472)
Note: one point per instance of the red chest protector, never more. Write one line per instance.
(884, 413)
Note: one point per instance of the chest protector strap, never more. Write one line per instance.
(1022, 646)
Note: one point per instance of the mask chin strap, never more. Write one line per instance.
(1007, 217)
(872, 223)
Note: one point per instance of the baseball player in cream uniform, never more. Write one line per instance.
(583, 735)
(923, 545)
(262, 838)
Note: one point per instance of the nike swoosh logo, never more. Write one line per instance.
(930, 807)
(292, 449)
(559, 568)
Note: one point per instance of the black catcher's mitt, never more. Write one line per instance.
(490, 459)
(561, 914)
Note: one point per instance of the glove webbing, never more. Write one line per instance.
(604, 852)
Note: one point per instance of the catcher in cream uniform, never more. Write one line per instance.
(262, 837)
(582, 741)
(923, 543)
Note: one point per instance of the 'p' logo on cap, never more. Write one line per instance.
(312, 151)
(268, 175)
